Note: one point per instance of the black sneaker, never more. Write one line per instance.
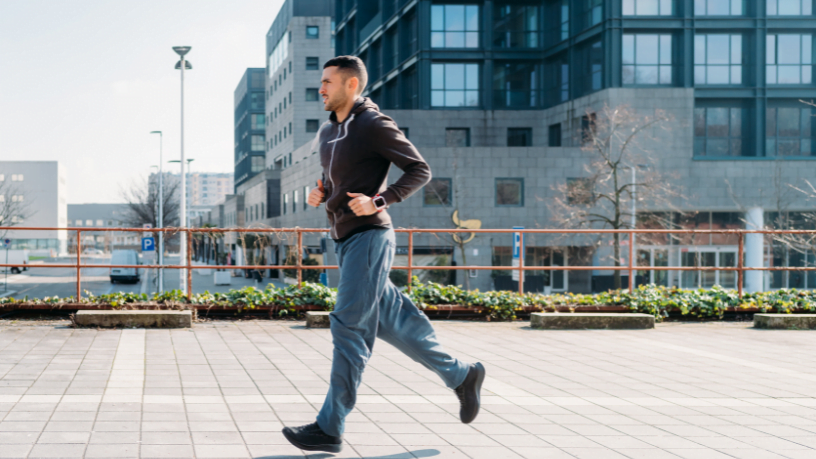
(311, 438)
(468, 393)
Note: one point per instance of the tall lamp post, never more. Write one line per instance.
(183, 65)
(634, 213)
(160, 219)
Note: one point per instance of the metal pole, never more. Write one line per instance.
(161, 214)
(183, 211)
(79, 252)
(5, 284)
(299, 257)
(631, 262)
(410, 258)
(521, 263)
(740, 264)
(634, 220)
(189, 267)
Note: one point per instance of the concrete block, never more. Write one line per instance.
(785, 321)
(591, 321)
(317, 319)
(159, 319)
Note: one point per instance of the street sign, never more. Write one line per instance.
(147, 226)
(148, 244)
(518, 252)
(7, 242)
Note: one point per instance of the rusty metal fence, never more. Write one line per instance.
(630, 234)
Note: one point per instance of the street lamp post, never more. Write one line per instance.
(182, 65)
(160, 219)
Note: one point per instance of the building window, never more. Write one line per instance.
(718, 131)
(718, 7)
(590, 74)
(258, 143)
(312, 125)
(648, 7)
(554, 135)
(294, 201)
(257, 164)
(515, 85)
(256, 101)
(647, 59)
(588, 128)
(306, 191)
(790, 7)
(454, 85)
(312, 32)
(312, 63)
(437, 192)
(579, 191)
(88, 222)
(510, 192)
(557, 17)
(519, 137)
(516, 26)
(285, 203)
(718, 59)
(789, 59)
(17, 177)
(312, 95)
(557, 80)
(258, 120)
(789, 130)
(454, 26)
(457, 137)
(593, 12)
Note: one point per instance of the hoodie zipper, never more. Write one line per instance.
(331, 162)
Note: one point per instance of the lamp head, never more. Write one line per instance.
(182, 50)
(156, 132)
(187, 65)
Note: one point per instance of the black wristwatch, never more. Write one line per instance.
(379, 203)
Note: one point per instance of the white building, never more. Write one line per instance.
(38, 190)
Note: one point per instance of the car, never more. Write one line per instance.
(92, 251)
(124, 257)
(15, 257)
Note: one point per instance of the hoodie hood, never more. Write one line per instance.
(361, 104)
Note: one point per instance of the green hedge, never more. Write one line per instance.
(651, 299)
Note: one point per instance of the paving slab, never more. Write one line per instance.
(691, 390)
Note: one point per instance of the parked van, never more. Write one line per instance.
(15, 257)
(124, 257)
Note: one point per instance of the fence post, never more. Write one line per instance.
(79, 271)
(521, 263)
(299, 257)
(189, 266)
(740, 256)
(631, 261)
(410, 258)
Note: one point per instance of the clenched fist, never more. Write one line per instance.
(361, 205)
(316, 195)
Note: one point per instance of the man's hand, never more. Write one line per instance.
(362, 205)
(316, 195)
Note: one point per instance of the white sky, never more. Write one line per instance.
(85, 81)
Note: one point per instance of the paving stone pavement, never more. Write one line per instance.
(225, 389)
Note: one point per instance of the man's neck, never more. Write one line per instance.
(342, 113)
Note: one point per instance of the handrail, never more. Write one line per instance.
(630, 267)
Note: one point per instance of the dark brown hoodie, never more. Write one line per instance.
(356, 156)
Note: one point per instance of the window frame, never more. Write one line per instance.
(732, 6)
(527, 132)
(316, 35)
(315, 92)
(551, 129)
(805, 64)
(465, 90)
(467, 138)
(315, 61)
(774, 4)
(730, 66)
(660, 64)
(444, 32)
(496, 191)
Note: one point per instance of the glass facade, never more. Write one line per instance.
(789, 59)
(647, 7)
(515, 85)
(454, 26)
(789, 129)
(789, 7)
(719, 7)
(455, 85)
(717, 59)
(647, 59)
(718, 131)
(516, 26)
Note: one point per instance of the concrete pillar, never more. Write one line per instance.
(754, 249)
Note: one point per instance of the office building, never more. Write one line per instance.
(34, 194)
(250, 126)
(92, 216)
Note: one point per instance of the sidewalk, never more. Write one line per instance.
(225, 389)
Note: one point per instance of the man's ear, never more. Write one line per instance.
(353, 83)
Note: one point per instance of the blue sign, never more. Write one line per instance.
(7, 241)
(518, 253)
(148, 244)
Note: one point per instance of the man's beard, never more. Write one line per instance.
(332, 104)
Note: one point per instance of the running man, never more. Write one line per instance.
(357, 146)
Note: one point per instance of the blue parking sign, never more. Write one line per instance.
(148, 244)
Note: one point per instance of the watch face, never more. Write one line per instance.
(379, 201)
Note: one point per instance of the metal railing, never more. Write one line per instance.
(630, 267)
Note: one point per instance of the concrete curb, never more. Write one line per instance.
(591, 321)
(785, 321)
(133, 318)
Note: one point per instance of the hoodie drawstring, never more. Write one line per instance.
(351, 118)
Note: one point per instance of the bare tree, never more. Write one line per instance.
(15, 209)
(617, 139)
(142, 200)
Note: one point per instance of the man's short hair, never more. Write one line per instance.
(350, 66)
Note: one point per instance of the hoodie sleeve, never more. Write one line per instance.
(390, 143)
